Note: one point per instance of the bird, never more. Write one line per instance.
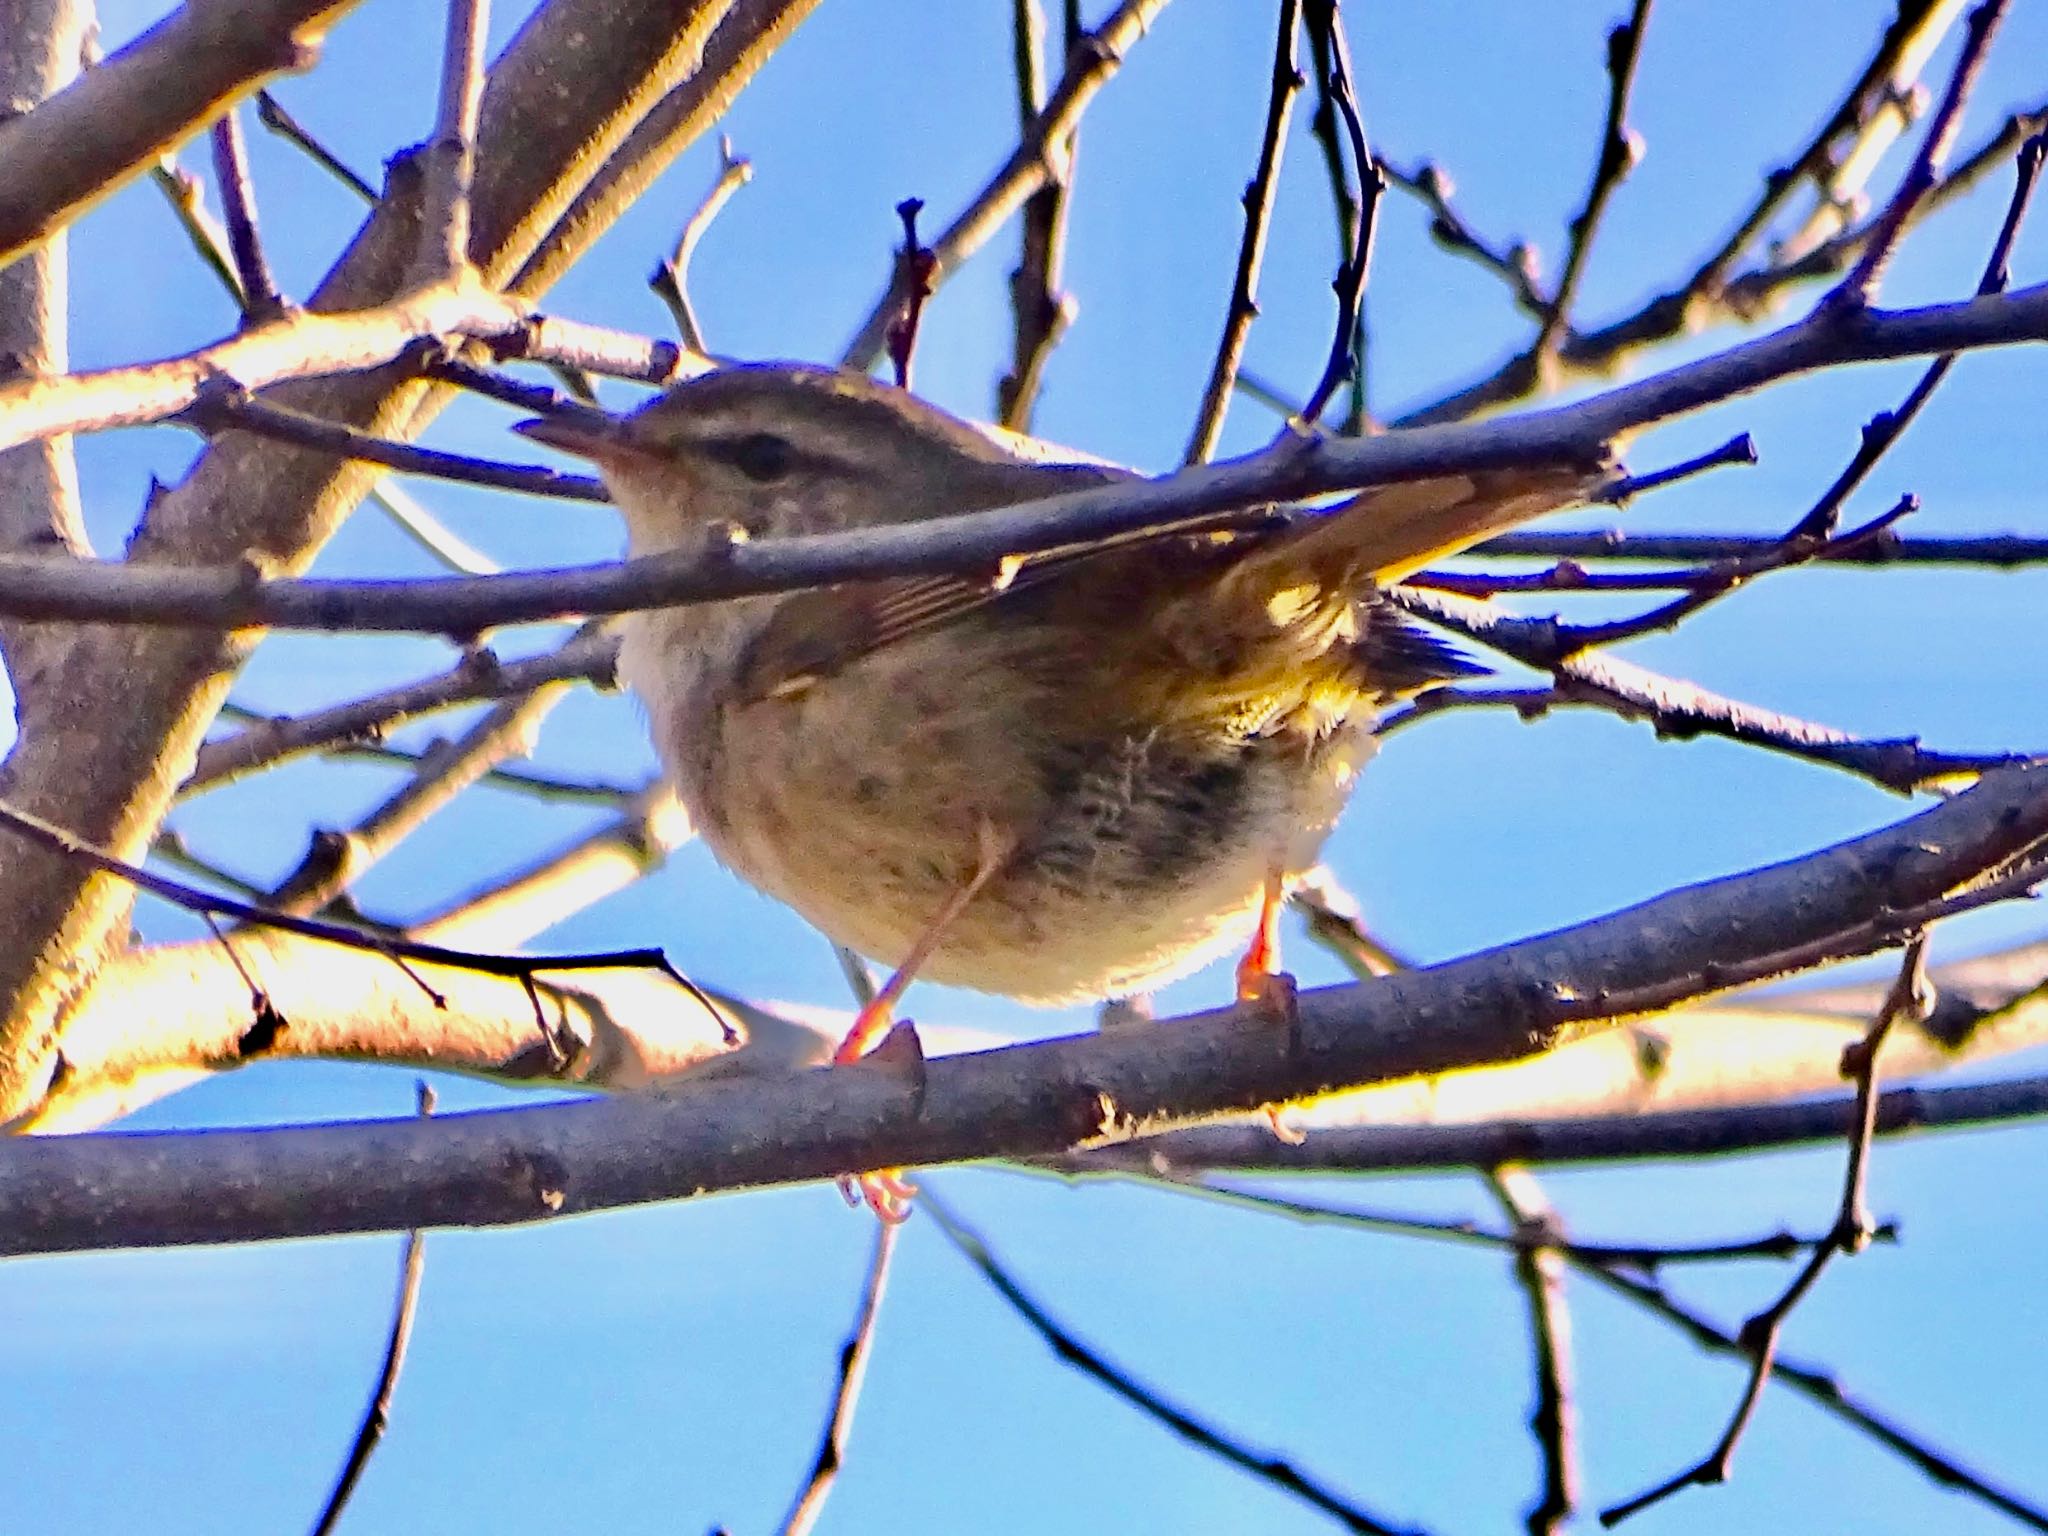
(1073, 780)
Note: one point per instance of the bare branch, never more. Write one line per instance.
(1675, 708)
(2001, 551)
(1070, 1349)
(1539, 1270)
(377, 1416)
(853, 1366)
(1258, 216)
(1047, 1097)
(94, 135)
(1571, 434)
(258, 289)
(670, 281)
(1620, 149)
(272, 115)
(300, 345)
(479, 675)
(1860, 286)
(228, 407)
(1339, 91)
(450, 156)
(1908, 998)
(1093, 63)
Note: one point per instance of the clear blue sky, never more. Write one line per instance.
(665, 1370)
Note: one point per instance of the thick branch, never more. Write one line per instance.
(516, 1166)
(90, 138)
(553, 108)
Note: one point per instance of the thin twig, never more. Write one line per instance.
(1270, 1469)
(1999, 551)
(1645, 1257)
(1821, 1388)
(1346, 361)
(1620, 149)
(1877, 97)
(260, 299)
(271, 114)
(518, 967)
(1626, 1271)
(1689, 308)
(1715, 582)
(223, 407)
(670, 280)
(1334, 921)
(479, 675)
(1258, 216)
(377, 1415)
(1860, 286)
(187, 197)
(440, 543)
(1515, 265)
(1676, 709)
(1040, 311)
(853, 1365)
(336, 859)
(915, 266)
(1886, 428)
(1539, 1270)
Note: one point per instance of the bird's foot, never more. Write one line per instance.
(886, 1191)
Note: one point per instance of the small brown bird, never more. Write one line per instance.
(1075, 784)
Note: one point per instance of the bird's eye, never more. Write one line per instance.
(760, 456)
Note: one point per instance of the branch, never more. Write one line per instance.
(1040, 311)
(479, 675)
(1029, 1100)
(300, 345)
(1676, 708)
(377, 1416)
(2000, 551)
(162, 1018)
(254, 285)
(1092, 1363)
(1620, 149)
(1539, 1271)
(1860, 286)
(1574, 434)
(1095, 60)
(112, 778)
(1908, 998)
(1251, 250)
(95, 135)
(853, 1366)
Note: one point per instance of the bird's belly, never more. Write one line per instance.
(1124, 870)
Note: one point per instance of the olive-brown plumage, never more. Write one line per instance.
(1126, 744)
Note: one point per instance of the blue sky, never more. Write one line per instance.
(666, 1369)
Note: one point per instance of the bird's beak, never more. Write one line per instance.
(589, 434)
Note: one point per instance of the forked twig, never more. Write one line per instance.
(1910, 998)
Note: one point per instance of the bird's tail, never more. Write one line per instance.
(1392, 531)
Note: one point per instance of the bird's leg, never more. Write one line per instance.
(1260, 981)
(886, 1192)
(874, 1019)
(1262, 985)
